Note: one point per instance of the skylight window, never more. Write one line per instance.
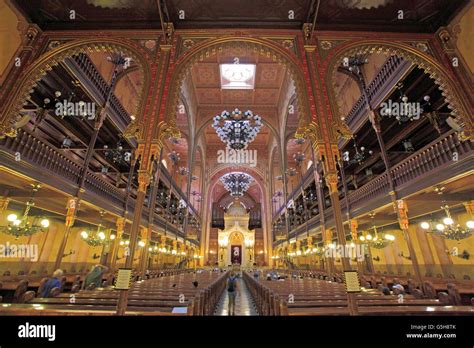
(237, 76)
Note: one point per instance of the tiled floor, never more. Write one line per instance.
(244, 304)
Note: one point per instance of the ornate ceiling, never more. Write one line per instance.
(376, 15)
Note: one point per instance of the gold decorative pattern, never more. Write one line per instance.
(214, 46)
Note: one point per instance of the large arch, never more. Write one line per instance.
(456, 102)
(211, 47)
(34, 72)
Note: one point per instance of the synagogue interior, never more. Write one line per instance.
(247, 158)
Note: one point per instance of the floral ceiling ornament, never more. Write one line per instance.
(237, 129)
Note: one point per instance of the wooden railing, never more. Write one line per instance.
(88, 71)
(431, 161)
(377, 89)
(43, 159)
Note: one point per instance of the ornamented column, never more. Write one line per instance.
(72, 205)
(144, 176)
(359, 248)
(145, 236)
(327, 239)
(4, 201)
(401, 209)
(120, 225)
(469, 207)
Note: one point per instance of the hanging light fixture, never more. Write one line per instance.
(236, 183)
(97, 237)
(117, 154)
(448, 228)
(376, 241)
(174, 157)
(360, 154)
(237, 129)
(25, 226)
(403, 104)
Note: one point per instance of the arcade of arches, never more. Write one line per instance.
(348, 145)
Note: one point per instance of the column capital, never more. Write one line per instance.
(144, 178)
(4, 203)
(331, 182)
(401, 209)
(354, 226)
(71, 205)
(469, 207)
(120, 224)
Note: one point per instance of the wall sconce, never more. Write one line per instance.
(71, 252)
(95, 256)
(376, 258)
(405, 257)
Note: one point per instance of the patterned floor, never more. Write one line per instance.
(244, 304)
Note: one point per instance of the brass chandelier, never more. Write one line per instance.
(448, 228)
(25, 226)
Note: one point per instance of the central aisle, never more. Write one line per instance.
(244, 304)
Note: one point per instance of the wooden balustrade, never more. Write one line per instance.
(434, 158)
(88, 70)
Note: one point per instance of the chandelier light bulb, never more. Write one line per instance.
(11, 217)
(112, 237)
(101, 235)
(127, 242)
(368, 237)
(470, 224)
(84, 234)
(440, 227)
(17, 222)
(448, 221)
(45, 223)
(425, 225)
(141, 244)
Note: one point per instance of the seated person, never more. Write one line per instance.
(52, 283)
(269, 277)
(386, 291)
(95, 276)
(399, 288)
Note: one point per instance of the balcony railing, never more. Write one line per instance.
(43, 162)
(83, 68)
(390, 73)
(429, 165)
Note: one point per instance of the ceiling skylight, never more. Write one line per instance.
(237, 76)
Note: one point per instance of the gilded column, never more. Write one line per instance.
(72, 205)
(120, 226)
(401, 209)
